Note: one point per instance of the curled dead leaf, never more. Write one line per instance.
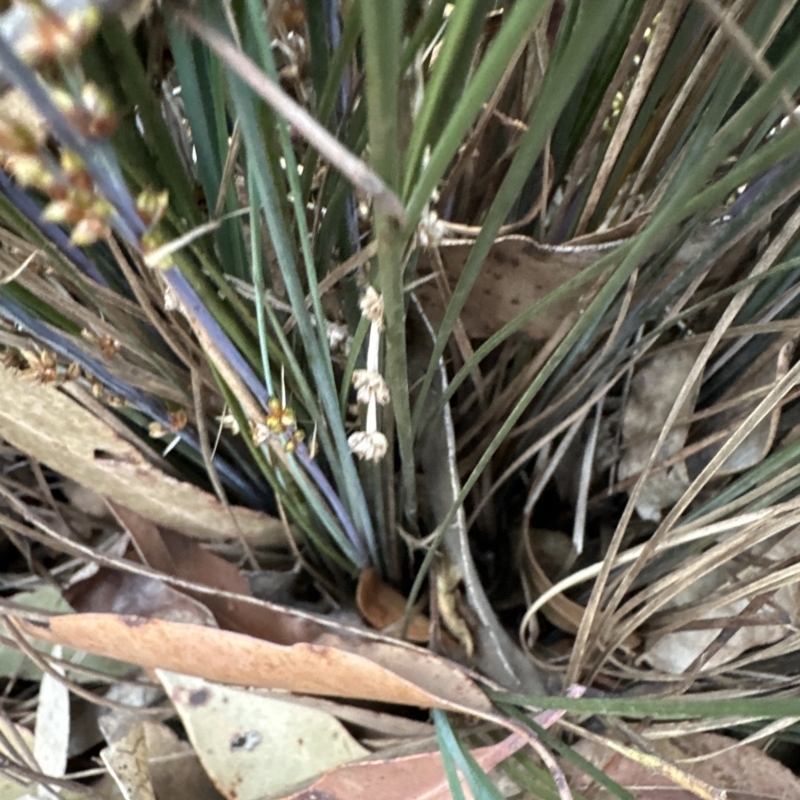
(420, 776)
(383, 606)
(744, 771)
(711, 634)
(178, 555)
(561, 611)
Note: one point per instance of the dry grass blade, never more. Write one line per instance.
(592, 625)
(669, 16)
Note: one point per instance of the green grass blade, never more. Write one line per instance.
(692, 707)
(448, 78)
(521, 19)
(480, 785)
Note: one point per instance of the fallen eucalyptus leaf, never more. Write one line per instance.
(546, 552)
(118, 592)
(383, 606)
(42, 421)
(174, 770)
(416, 777)
(251, 745)
(178, 555)
(745, 772)
(517, 272)
(773, 620)
(14, 663)
(380, 672)
(377, 723)
(126, 760)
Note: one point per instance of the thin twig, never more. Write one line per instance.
(208, 461)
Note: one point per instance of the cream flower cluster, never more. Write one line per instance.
(371, 389)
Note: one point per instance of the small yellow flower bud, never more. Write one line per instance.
(30, 170)
(62, 212)
(88, 231)
(151, 206)
(101, 121)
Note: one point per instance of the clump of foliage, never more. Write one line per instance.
(241, 204)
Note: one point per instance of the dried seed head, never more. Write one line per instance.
(151, 241)
(65, 102)
(431, 229)
(75, 169)
(62, 212)
(229, 421)
(292, 14)
(109, 345)
(171, 302)
(73, 372)
(17, 138)
(82, 24)
(41, 367)
(53, 37)
(156, 430)
(259, 432)
(177, 420)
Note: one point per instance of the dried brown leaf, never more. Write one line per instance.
(417, 777)
(517, 272)
(654, 389)
(382, 606)
(372, 672)
(760, 375)
(111, 590)
(174, 770)
(126, 760)
(182, 557)
(56, 430)
(746, 623)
